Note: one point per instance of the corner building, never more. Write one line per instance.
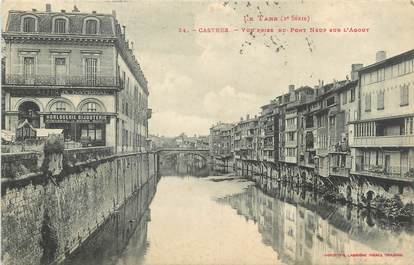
(75, 71)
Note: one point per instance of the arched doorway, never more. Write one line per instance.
(29, 111)
(349, 194)
(370, 197)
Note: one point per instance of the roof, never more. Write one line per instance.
(76, 20)
(222, 126)
(392, 60)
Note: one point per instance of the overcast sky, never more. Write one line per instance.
(196, 79)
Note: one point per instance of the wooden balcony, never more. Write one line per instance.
(385, 141)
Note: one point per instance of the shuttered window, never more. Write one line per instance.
(367, 103)
(91, 27)
(404, 95)
(380, 100)
(91, 65)
(29, 24)
(91, 107)
(60, 25)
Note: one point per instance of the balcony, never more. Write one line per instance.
(291, 143)
(383, 171)
(291, 159)
(338, 171)
(390, 172)
(384, 141)
(291, 128)
(269, 132)
(269, 146)
(64, 81)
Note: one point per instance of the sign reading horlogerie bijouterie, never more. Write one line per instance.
(78, 118)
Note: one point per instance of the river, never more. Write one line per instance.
(227, 220)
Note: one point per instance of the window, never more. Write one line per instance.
(123, 79)
(395, 70)
(344, 98)
(352, 94)
(374, 77)
(91, 65)
(291, 136)
(28, 66)
(92, 131)
(381, 74)
(408, 66)
(91, 107)
(330, 101)
(401, 68)
(60, 106)
(388, 72)
(367, 103)
(404, 95)
(380, 100)
(91, 27)
(29, 24)
(60, 25)
(332, 121)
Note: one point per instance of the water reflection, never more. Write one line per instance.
(305, 230)
(128, 226)
(225, 220)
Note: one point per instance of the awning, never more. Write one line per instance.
(41, 132)
(7, 136)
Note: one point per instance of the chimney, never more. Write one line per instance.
(241, 118)
(291, 88)
(48, 8)
(247, 117)
(132, 45)
(93, 12)
(123, 29)
(75, 9)
(354, 70)
(114, 13)
(34, 9)
(380, 56)
(63, 11)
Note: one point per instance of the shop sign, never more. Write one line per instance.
(76, 118)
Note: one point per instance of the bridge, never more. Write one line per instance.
(204, 153)
(195, 158)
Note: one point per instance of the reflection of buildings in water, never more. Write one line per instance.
(127, 227)
(302, 230)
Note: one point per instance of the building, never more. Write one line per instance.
(77, 72)
(221, 145)
(269, 131)
(352, 140)
(382, 139)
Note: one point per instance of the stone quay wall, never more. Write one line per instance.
(392, 198)
(46, 217)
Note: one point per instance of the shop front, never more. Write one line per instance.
(89, 129)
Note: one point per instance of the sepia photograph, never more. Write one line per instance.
(207, 132)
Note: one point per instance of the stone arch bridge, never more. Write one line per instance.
(195, 157)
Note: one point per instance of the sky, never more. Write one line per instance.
(197, 79)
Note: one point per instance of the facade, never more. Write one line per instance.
(77, 72)
(355, 136)
(382, 140)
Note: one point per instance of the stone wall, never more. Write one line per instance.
(393, 198)
(45, 218)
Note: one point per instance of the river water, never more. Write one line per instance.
(226, 220)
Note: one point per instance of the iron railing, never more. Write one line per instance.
(69, 80)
